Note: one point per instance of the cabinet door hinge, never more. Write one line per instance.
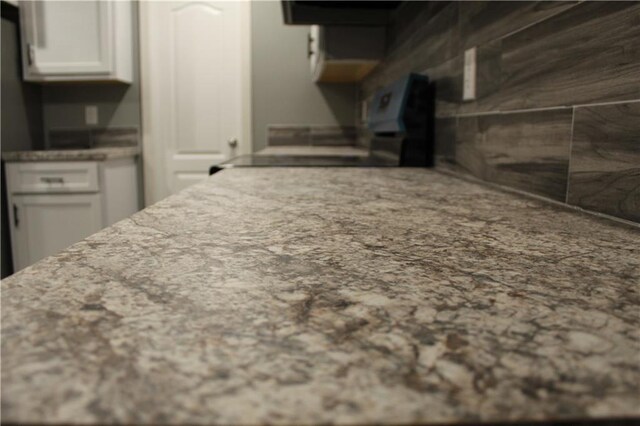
(310, 51)
(16, 221)
(31, 54)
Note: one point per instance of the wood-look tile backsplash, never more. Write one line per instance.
(557, 108)
(605, 159)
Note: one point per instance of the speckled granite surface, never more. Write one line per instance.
(92, 154)
(329, 295)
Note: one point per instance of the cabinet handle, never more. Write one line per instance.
(309, 43)
(16, 221)
(31, 53)
(52, 180)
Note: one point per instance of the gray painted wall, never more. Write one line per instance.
(21, 127)
(282, 90)
(21, 111)
(118, 104)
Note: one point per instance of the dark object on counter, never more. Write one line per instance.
(401, 119)
(310, 12)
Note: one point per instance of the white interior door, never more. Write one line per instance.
(193, 66)
(43, 225)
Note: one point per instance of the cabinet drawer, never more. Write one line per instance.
(52, 177)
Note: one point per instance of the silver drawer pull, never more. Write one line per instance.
(52, 179)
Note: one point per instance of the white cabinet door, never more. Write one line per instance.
(43, 225)
(73, 40)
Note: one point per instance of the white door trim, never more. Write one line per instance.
(153, 159)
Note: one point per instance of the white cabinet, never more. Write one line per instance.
(55, 204)
(53, 177)
(46, 224)
(89, 40)
(339, 54)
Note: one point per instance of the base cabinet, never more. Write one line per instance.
(47, 224)
(53, 205)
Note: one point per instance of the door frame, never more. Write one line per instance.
(153, 159)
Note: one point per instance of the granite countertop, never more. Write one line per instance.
(91, 154)
(347, 295)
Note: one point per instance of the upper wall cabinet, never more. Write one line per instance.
(318, 12)
(77, 40)
(344, 54)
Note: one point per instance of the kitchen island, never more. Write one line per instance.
(319, 295)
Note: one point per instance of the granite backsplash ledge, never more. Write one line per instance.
(311, 135)
(557, 109)
(79, 138)
(80, 144)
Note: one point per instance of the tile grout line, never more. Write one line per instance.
(497, 38)
(573, 123)
(630, 101)
(455, 140)
(492, 40)
(514, 111)
(509, 34)
(552, 108)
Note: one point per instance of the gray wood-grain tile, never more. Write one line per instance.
(448, 80)
(445, 138)
(433, 40)
(531, 56)
(527, 151)
(438, 40)
(605, 160)
(484, 21)
(589, 53)
(407, 20)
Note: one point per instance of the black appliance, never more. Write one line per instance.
(401, 121)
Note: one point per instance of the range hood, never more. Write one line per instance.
(309, 12)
